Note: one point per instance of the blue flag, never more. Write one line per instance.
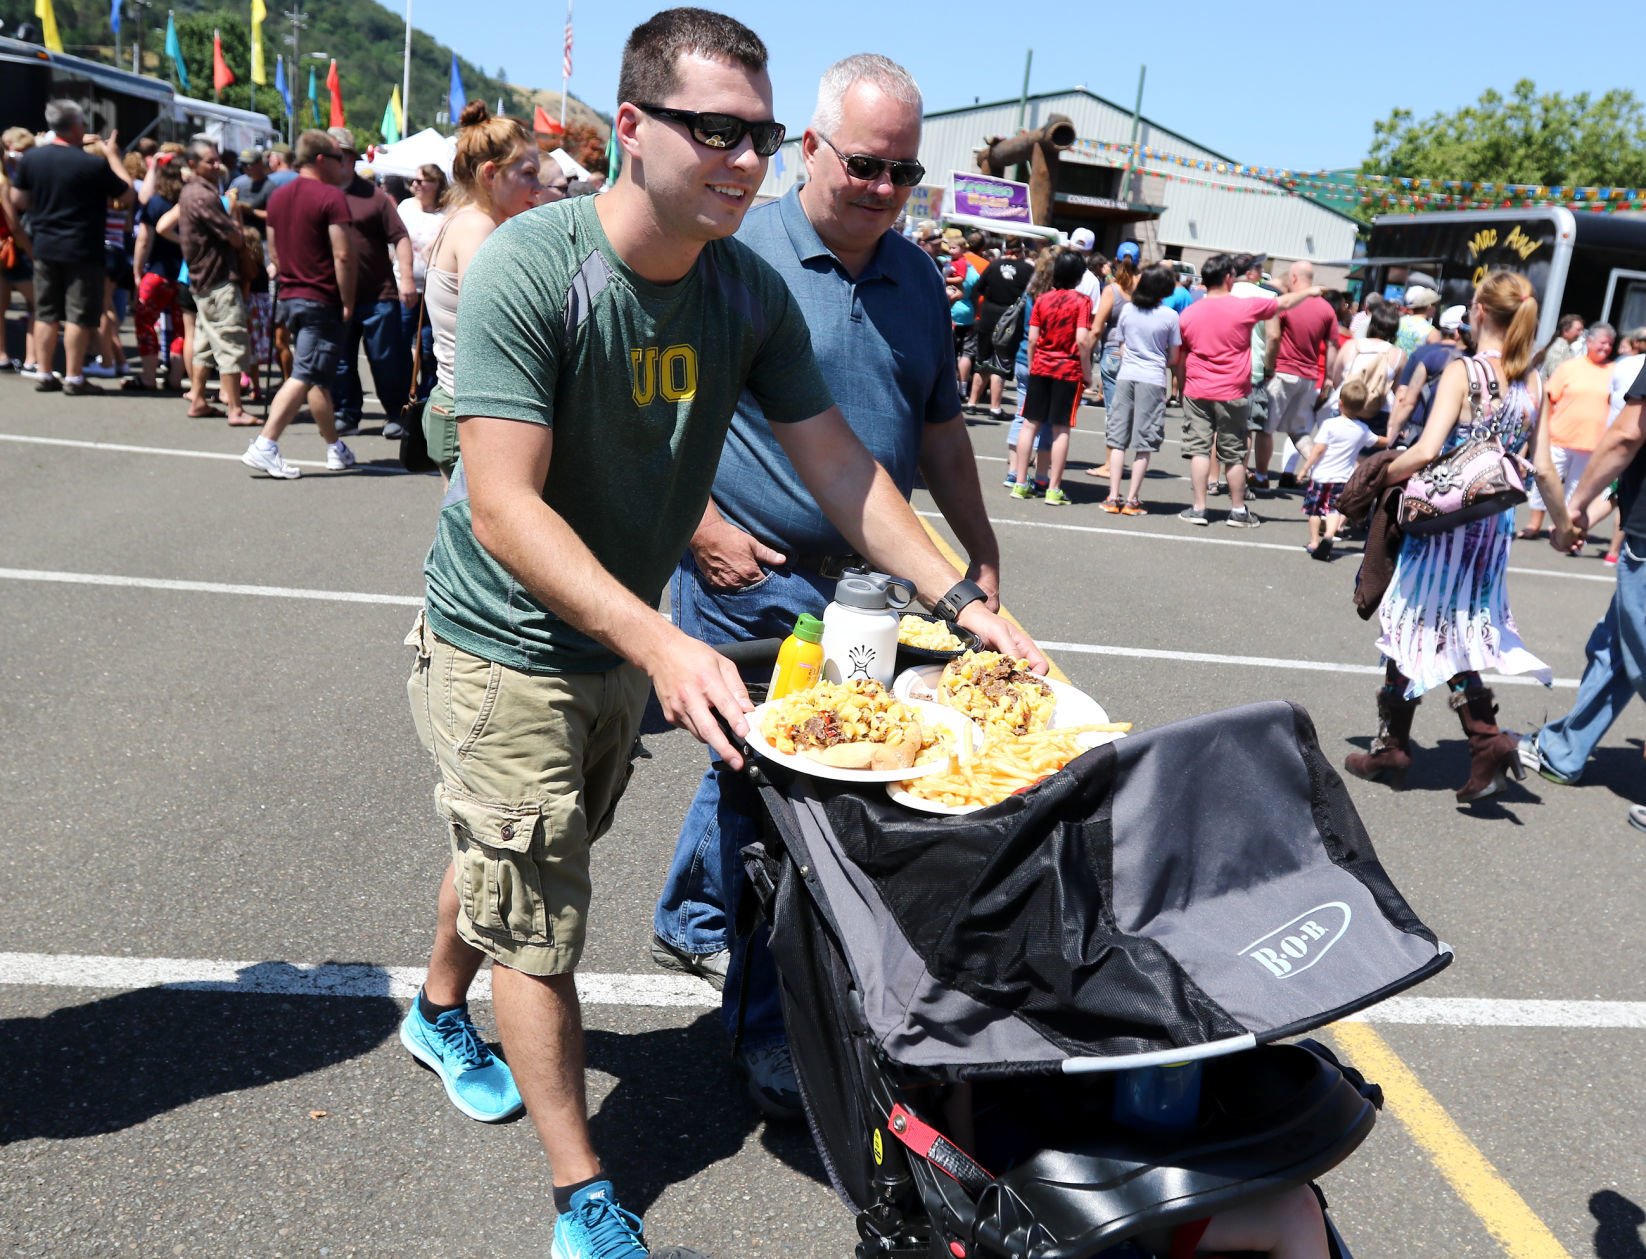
(314, 101)
(456, 98)
(280, 82)
(174, 50)
(114, 15)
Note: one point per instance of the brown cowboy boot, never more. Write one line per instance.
(1493, 753)
(1391, 751)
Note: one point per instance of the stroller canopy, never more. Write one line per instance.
(1186, 892)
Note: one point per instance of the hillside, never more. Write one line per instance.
(365, 38)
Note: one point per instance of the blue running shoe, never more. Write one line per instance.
(597, 1228)
(478, 1082)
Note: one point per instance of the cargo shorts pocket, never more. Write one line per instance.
(496, 850)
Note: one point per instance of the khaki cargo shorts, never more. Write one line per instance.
(531, 770)
(221, 340)
(1215, 425)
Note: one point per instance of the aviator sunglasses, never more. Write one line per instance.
(722, 131)
(863, 166)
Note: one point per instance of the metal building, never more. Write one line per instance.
(1174, 209)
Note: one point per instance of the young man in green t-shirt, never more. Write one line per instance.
(603, 345)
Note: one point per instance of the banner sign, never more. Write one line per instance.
(925, 202)
(985, 197)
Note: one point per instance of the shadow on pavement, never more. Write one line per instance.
(115, 1062)
(678, 1108)
(1618, 1234)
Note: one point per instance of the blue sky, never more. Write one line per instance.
(1281, 85)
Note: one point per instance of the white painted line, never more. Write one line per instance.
(414, 601)
(176, 453)
(1194, 534)
(321, 979)
(1487, 1012)
(1264, 662)
(208, 587)
(361, 979)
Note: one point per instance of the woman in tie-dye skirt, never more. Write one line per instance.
(1445, 616)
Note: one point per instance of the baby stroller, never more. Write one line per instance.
(1194, 893)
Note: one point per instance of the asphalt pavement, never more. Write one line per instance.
(212, 787)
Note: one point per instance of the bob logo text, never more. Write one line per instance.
(1290, 950)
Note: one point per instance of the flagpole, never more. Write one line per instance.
(566, 68)
(405, 78)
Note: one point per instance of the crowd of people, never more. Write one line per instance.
(287, 268)
(670, 343)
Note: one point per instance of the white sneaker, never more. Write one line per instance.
(339, 458)
(269, 461)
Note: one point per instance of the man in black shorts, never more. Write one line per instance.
(65, 192)
(1002, 283)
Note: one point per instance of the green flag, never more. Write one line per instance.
(390, 126)
(314, 99)
(614, 159)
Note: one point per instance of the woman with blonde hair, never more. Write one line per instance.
(1445, 615)
(496, 173)
(424, 214)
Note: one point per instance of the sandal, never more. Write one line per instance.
(1111, 505)
(1131, 507)
(1098, 470)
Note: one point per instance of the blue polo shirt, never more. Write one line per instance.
(887, 355)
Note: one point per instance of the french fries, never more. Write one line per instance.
(917, 631)
(1007, 765)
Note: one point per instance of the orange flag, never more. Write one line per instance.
(335, 86)
(221, 75)
(544, 125)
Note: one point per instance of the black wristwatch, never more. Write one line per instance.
(962, 593)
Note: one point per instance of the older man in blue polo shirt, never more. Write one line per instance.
(764, 552)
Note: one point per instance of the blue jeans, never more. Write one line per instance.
(387, 352)
(1108, 374)
(698, 904)
(1616, 671)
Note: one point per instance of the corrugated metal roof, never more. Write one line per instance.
(1230, 212)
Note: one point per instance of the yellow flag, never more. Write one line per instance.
(259, 12)
(48, 25)
(399, 109)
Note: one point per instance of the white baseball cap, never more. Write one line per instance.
(1083, 240)
(1454, 317)
(1420, 297)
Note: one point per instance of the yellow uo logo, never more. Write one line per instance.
(671, 372)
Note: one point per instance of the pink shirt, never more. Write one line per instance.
(1304, 333)
(1217, 342)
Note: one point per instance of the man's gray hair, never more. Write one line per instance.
(64, 116)
(863, 67)
(199, 147)
(1601, 329)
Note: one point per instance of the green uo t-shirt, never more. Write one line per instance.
(639, 382)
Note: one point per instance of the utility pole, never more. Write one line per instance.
(142, 7)
(1131, 153)
(298, 21)
(405, 79)
(1023, 100)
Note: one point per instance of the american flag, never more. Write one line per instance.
(566, 63)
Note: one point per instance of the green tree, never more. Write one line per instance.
(1527, 137)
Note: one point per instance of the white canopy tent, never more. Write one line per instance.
(427, 147)
(430, 147)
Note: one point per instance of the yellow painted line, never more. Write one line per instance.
(1520, 1233)
(954, 557)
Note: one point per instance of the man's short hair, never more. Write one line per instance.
(1218, 268)
(1601, 329)
(64, 115)
(1240, 264)
(975, 240)
(863, 67)
(1568, 322)
(311, 144)
(198, 148)
(651, 58)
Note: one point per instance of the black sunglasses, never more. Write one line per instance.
(862, 166)
(722, 131)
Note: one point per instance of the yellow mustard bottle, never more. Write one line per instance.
(799, 659)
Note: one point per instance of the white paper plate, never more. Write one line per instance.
(966, 735)
(901, 795)
(1073, 706)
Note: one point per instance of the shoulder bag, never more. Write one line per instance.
(1478, 479)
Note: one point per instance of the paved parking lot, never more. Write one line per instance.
(220, 863)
